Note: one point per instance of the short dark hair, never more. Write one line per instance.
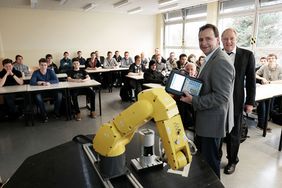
(78, 51)
(17, 56)
(48, 55)
(42, 60)
(66, 53)
(92, 53)
(6, 61)
(75, 59)
(109, 52)
(136, 57)
(152, 62)
(210, 26)
(182, 55)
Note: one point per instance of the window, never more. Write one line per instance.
(242, 24)
(173, 35)
(191, 33)
(270, 30)
(265, 3)
(237, 6)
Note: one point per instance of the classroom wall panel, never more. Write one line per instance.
(34, 33)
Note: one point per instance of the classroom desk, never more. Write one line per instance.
(107, 72)
(60, 76)
(90, 83)
(66, 86)
(67, 165)
(14, 90)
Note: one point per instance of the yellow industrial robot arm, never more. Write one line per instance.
(112, 137)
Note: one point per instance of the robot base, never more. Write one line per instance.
(92, 156)
(155, 162)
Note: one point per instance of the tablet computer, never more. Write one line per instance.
(178, 82)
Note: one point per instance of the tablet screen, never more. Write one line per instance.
(178, 83)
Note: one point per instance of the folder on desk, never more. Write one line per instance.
(178, 83)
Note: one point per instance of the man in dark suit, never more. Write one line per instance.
(244, 63)
(214, 105)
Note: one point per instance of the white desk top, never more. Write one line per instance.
(60, 75)
(136, 77)
(89, 83)
(268, 91)
(153, 85)
(98, 70)
(13, 89)
(60, 85)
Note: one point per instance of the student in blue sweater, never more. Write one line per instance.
(45, 77)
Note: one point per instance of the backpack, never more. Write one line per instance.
(124, 93)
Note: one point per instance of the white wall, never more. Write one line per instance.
(34, 33)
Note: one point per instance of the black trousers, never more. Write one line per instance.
(209, 149)
(83, 91)
(233, 140)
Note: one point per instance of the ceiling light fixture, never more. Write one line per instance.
(89, 7)
(135, 10)
(120, 3)
(165, 2)
(169, 7)
(33, 3)
(62, 2)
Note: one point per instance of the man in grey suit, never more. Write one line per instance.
(244, 63)
(214, 105)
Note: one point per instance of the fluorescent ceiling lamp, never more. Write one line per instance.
(120, 3)
(169, 7)
(62, 2)
(89, 7)
(165, 2)
(33, 3)
(135, 10)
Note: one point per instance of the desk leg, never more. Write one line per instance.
(280, 143)
(100, 106)
(68, 104)
(30, 101)
(267, 106)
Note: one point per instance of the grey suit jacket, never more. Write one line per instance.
(214, 105)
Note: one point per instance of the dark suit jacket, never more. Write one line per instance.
(214, 105)
(245, 70)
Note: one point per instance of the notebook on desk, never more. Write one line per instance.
(179, 83)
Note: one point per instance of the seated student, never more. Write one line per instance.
(267, 73)
(182, 61)
(18, 65)
(262, 61)
(82, 61)
(144, 60)
(101, 59)
(151, 75)
(136, 69)
(92, 63)
(65, 63)
(161, 67)
(10, 76)
(186, 110)
(110, 62)
(171, 62)
(158, 52)
(77, 75)
(44, 77)
(117, 56)
(200, 62)
(126, 61)
(191, 58)
(51, 64)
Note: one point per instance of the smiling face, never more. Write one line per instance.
(207, 41)
(229, 39)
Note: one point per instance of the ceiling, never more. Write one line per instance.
(149, 7)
